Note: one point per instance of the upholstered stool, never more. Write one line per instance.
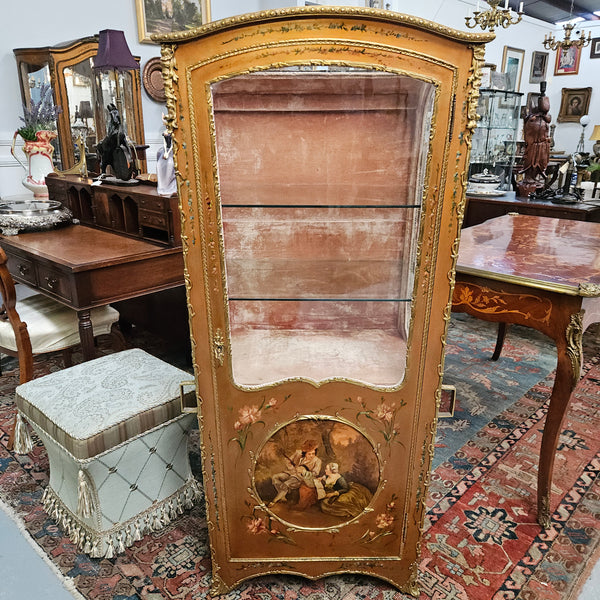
(117, 445)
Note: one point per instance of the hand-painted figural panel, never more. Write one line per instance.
(321, 156)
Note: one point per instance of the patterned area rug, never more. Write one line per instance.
(481, 540)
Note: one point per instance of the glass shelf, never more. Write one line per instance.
(494, 139)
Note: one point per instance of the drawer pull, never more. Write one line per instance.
(23, 270)
(51, 282)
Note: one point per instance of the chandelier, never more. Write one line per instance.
(551, 43)
(494, 17)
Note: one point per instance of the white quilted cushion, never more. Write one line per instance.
(52, 326)
(98, 404)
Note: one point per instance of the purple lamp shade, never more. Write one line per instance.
(113, 51)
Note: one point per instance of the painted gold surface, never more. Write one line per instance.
(267, 16)
(352, 37)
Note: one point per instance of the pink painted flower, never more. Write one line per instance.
(256, 526)
(271, 403)
(238, 426)
(384, 521)
(391, 506)
(249, 414)
(384, 412)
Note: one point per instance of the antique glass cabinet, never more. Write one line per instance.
(322, 156)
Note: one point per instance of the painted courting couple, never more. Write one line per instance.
(330, 489)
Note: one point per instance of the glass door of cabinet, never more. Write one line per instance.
(320, 224)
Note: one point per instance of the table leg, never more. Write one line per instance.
(556, 315)
(86, 334)
(569, 352)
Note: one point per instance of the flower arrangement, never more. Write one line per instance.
(40, 115)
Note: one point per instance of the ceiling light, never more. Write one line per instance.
(494, 16)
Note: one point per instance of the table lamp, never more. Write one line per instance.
(115, 57)
(584, 121)
(596, 138)
(85, 112)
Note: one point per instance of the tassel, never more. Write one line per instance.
(110, 551)
(85, 499)
(172, 510)
(87, 547)
(22, 443)
(128, 538)
(75, 536)
(120, 546)
(156, 524)
(137, 534)
(95, 553)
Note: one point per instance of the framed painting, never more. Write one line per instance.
(539, 66)
(595, 48)
(575, 103)
(168, 16)
(567, 61)
(512, 66)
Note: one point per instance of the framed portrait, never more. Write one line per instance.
(575, 103)
(595, 48)
(567, 61)
(166, 16)
(539, 66)
(512, 66)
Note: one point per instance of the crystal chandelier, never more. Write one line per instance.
(494, 16)
(551, 43)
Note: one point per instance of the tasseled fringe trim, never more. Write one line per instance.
(22, 441)
(114, 541)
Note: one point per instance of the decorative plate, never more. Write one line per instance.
(153, 81)
(485, 193)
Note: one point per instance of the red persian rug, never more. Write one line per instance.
(480, 542)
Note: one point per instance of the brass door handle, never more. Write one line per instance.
(23, 270)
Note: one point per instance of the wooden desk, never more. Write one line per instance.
(481, 209)
(83, 267)
(543, 273)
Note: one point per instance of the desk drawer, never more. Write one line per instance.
(21, 268)
(152, 203)
(152, 219)
(54, 281)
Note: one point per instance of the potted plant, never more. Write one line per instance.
(38, 131)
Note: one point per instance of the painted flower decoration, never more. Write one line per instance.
(250, 415)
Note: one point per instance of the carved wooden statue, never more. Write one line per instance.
(537, 146)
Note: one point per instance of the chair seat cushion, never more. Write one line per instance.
(53, 326)
(96, 405)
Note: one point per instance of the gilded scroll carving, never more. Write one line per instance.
(574, 350)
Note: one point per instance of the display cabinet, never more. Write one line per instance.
(495, 138)
(82, 96)
(322, 156)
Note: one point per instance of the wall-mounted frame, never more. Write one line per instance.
(567, 61)
(595, 48)
(575, 103)
(512, 65)
(162, 17)
(539, 67)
